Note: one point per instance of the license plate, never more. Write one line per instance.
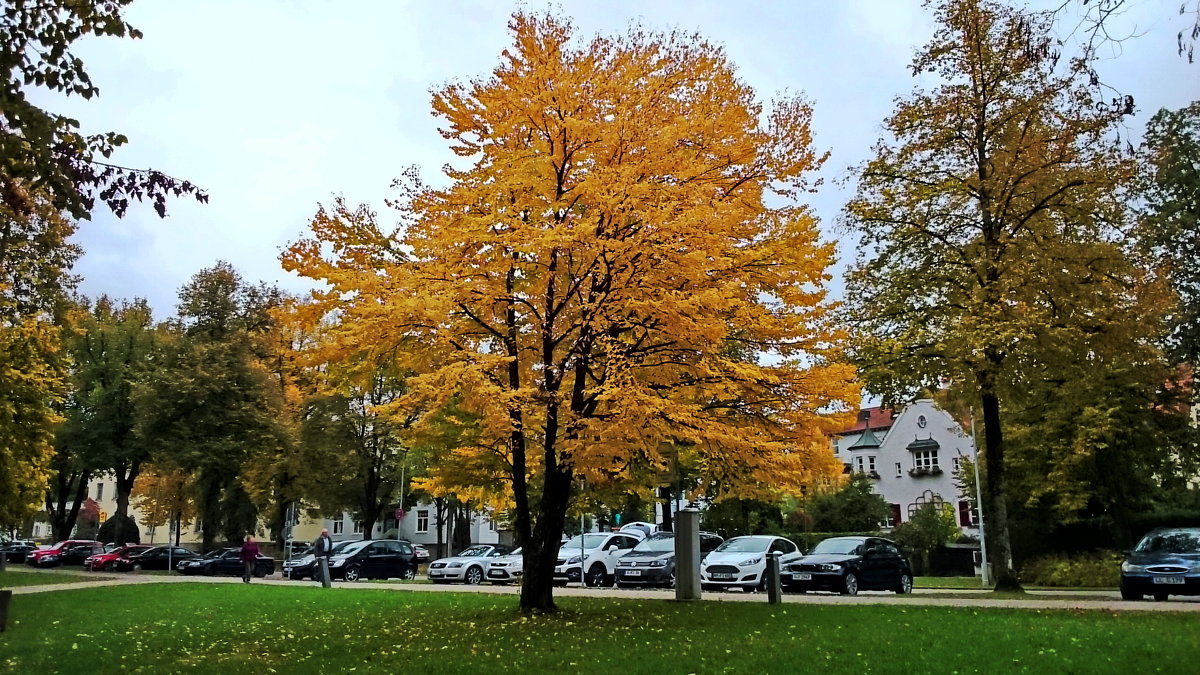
(434, 575)
(633, 573)
(495, 573)
(804, 576)
(721, 575)
(1168, 580)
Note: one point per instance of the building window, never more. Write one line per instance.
(899, 470)
(339, 526)
(958, 465)
(422, 520)
(865, 463)
(358, 527)
(893, 515)
(965, 513)
(99, 491)
(926, 459)
(491, 524)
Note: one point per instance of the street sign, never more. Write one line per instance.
(399, 514)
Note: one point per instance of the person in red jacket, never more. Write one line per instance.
(249, 557)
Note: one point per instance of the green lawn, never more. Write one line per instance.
(259, 628)
(11, 578)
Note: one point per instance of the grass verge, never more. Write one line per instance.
(232, 627)
(12, 578)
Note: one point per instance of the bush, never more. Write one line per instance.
(930, 528)
(118, 530)
(1101, 569)
(854, 507)
(734, 517)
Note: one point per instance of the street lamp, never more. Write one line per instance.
(979, 505)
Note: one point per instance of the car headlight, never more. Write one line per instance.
(337, 563)
(573, 560)
(829, 567)
(50, 558)
(454, 564)
(752, 561)
(1130, 568)
(661, 562)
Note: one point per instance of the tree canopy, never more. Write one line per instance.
(624, 228)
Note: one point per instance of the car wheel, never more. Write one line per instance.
(260, 571)
(1127, 594)
(409, 574)
(850, 584)
(905, 584)
(473, 576)
(210, 570)
(671, 581)
(352, 573)
(595, 576)
(137, 567)
(1160, 597)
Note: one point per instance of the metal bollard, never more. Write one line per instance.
(774, 591)
(323, 561)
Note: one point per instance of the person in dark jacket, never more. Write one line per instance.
(322, 547)
(249, 557)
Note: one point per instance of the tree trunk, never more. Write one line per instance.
(65, 511)
(668, 519)
(999, 547)
(541, 555)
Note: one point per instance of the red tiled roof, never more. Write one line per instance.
(873, 418)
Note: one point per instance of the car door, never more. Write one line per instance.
(375, 560)
(875, 564)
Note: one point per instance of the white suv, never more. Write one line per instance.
(593, 557)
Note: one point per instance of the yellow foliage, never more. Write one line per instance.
(619, 265)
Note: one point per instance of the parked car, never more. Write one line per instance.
(305, 566)
(103, 561)
(848, 565)
(639, 527)
(1165, 562)
(154, 558)
(69, 552)
(468, 566)
(224, 561)
(423, 555)
(16, 550)
(506, 569)
(373, 559)
(652, 561)
(741, 562)
(595, 552)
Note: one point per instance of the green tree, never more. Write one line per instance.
(43, 153)
(112, 346)
(1169, 230)
(930, 528)
(990, 229)
(855, 507)
(733, 517)
(211, 402)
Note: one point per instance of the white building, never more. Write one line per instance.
(912, 456)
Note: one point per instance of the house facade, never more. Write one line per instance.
(912, 455)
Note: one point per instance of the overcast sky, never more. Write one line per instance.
(274, 106)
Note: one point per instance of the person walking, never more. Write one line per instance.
(249, 558)
(322, 547)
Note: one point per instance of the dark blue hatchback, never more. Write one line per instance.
(1165, 562)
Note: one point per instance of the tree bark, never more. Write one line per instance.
(998, 544)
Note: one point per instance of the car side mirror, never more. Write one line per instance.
(612, 548)
(870, 552)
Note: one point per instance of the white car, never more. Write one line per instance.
(468, 566)
(595, 552)
(506, 569)
(742, 562)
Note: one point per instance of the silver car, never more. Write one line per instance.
(468, 566)
(506, 569)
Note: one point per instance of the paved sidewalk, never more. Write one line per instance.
(1064, 600)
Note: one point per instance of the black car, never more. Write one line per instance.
(1165, 562)
(224, 561)
(848, 565)
(652, 561)
(157, 558)
(305, 567)
(373, 559)
(15, 551)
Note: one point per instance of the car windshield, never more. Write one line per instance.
(657, 544)
(1176, 541)
(836, 546)
(588, 541)
(475, 552)
(57, 547)
(744, 545)
(349, 547)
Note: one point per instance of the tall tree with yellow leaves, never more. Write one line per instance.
(625, 227)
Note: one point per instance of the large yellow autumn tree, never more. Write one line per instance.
(622, 266)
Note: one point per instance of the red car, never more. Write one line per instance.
(69, 552)
(104, 561)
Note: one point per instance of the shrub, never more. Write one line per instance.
(930, 528)
(1101, 569)
(118, 530)
(854, 507)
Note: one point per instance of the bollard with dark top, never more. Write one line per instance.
(774, 591)
(5, 597)
(687, 554)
